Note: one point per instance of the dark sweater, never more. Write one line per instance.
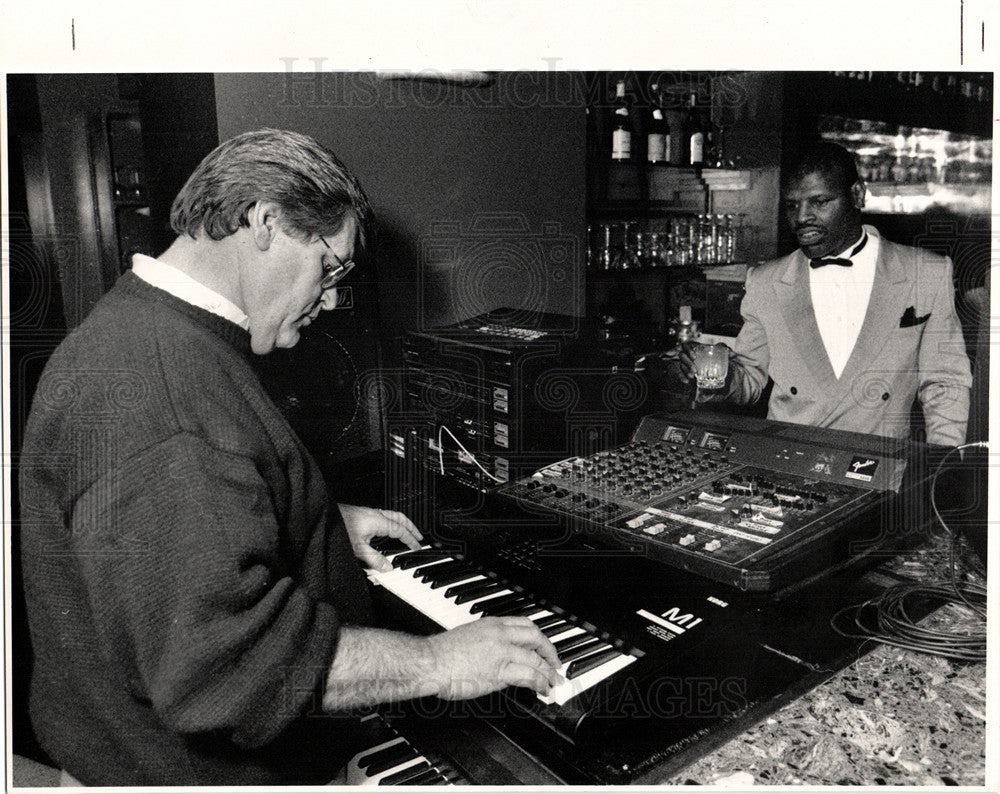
(185, 575)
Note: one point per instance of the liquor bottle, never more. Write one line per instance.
(695, 133)
(621, 127)
(656, 135)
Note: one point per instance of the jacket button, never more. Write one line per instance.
(885, 395)
(793, 390)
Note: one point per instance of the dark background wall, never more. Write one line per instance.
(470, 184)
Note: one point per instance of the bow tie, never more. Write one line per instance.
(843, 262)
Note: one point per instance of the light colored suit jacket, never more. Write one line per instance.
(910, 344)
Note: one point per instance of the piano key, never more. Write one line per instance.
(580, 682)
(528, 610)
(453, 607)
(386, 545)
(497, 601)
(548, 620)
(462, 589)
(431, 777)
(582, 650)
(418, 767)
(388, 758)
(581, 666)
(557, 628)
(429, 573)
(364, 758)
(412, 559)
(468, 577)
(477, 593)
(443, 611)
(438, 579)
(569, 643)
(406, 774)
(511, 608)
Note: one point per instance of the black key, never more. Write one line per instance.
(570, 643)
(522, 612)
(556, 628)
(443, 581)
(582, 650)
(479, 592)
(548, 620)
(460, 569)
(404, 774)
(429, 778)
(427, 572)
(413, 559)
(496, 601)
(585, 665)
(387, 545)
(508, 609)
(381, 760)
(461, 589)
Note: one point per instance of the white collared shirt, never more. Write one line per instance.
(840, 298)
(181, 285)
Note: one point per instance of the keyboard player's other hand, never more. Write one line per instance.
(492, 654)
(365, 523)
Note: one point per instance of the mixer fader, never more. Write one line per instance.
(748, 502)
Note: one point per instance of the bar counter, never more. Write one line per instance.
(894, 717)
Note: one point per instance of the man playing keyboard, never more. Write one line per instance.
(198, 614)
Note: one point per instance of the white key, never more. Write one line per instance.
(569, 689)
(447, 614)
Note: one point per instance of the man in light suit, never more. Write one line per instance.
(850, 327)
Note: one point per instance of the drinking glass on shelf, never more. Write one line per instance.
(625, 256)
(605, 259)
(654, 251)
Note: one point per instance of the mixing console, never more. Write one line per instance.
(751, 503)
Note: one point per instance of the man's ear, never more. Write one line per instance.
(858, 194)
(263, 218)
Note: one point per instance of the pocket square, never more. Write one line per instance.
(909, 318)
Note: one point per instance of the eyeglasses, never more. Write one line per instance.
(332, 273)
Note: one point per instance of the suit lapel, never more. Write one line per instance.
(885, 306)
(795, 305)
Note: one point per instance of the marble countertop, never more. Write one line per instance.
(892, 717)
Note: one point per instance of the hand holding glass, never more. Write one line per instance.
(711, 365)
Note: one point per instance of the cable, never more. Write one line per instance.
(954, 537)
(887, 618)
(471, 456)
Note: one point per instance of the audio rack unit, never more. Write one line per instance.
(492, 398)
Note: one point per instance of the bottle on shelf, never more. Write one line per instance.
(621, 127)
(694, 132)
(657, 134)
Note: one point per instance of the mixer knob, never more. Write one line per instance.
(548, 488)
(579, 497)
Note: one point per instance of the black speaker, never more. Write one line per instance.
(330, 387)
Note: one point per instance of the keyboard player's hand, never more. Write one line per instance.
(491, 654)
(365, 523)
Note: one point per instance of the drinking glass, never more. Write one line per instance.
(711, 365)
